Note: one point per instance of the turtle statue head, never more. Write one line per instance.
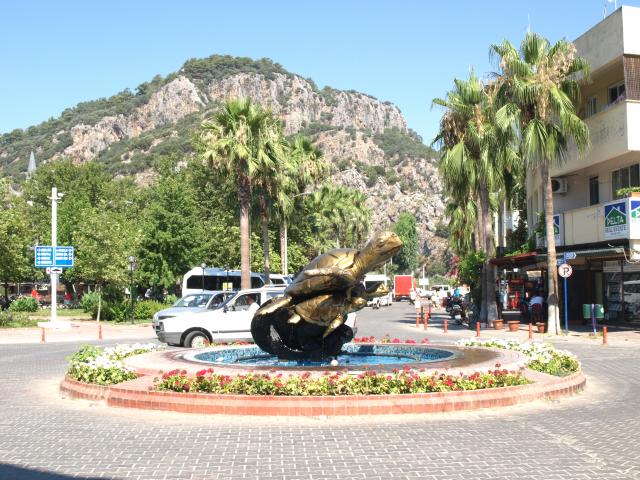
(381, 247)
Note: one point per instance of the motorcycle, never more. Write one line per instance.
(457, 312)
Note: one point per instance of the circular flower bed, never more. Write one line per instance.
(331, 384)
(543, 357)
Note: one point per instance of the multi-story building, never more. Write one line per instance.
(594, 218)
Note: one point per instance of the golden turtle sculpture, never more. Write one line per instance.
(308, 321)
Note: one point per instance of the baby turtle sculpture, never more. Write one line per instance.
(308, 321)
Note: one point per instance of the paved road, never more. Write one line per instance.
(591, 436)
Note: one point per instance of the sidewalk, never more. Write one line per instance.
(81, 330)
(578, 333)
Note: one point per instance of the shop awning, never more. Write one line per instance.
(588, 253)
(514, 260)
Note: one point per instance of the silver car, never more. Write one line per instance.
(194, 302)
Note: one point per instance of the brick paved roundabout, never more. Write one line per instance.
(592, 435)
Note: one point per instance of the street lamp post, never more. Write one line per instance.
(132, 266)
(203, 265)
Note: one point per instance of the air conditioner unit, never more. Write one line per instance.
(559, 185)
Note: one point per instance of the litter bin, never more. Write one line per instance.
(586, 310)
(599, 311)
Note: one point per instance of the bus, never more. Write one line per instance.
(216, 279)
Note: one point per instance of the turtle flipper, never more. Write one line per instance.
(295, 318)
(274, 305)
(335, 323)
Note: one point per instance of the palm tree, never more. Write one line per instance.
(477, 148)
(240, 141)
(306, 167)
(339, 217)
(542, 83)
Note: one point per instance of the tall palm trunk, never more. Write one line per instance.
(284, 254)
(265, 241)
(483, 275)
(489, 248)
(552, 277)
(244, 199)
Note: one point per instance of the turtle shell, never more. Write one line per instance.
(342, 258)
(322, 309)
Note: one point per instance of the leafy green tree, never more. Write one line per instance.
(240, 142)
(540, 83)
(15, 238)
(103, 241)
(406, 228)
(172, 229)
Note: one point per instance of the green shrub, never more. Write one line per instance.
(9, 319)
(145, 309)
(170, 299)
(24, 304)
(89, 302)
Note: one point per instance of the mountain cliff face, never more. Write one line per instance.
(367, 141)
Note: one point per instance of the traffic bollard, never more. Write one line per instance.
(531, 331)
(99, 331)
(417, 318)
(426, 321)
(604, 336)
(446, 326)
(477, 329)
(42, 338)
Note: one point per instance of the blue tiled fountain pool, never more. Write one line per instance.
(353, 355)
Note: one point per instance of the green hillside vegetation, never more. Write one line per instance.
(131, 155)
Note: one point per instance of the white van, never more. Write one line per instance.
(215, 279)
(384, 301)
(231, 321)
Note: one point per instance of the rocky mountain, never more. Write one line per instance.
(367, 141)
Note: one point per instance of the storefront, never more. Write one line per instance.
(600, 275)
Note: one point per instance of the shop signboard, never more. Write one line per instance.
(634, 218)
(558, 232)
(558, 228)
(616, 224)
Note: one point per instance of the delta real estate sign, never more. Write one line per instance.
(622, 219)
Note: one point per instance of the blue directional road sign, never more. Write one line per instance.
(64, 257)
(44, 256)
(47, 256)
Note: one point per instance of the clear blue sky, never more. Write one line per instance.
(54, 54)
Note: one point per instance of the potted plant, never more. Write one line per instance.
(514, 325)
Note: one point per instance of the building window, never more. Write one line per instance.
(625, 178)
(616, 93)
(592, 106)
(594, 191)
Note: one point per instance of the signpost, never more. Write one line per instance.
(565, 271)
(54, 259)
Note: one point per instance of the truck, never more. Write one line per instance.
(402, 285)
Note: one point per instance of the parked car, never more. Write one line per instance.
(194, 302)
(230, 321)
